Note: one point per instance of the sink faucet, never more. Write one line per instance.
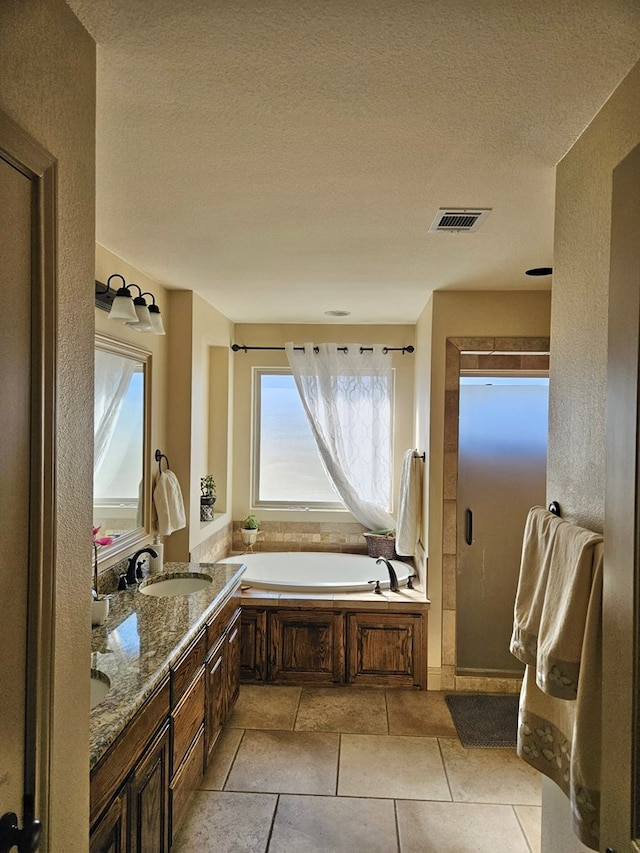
(393, 578)
(134, 568)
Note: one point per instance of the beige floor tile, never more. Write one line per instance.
(265, 706)
(333, 825)
(286, 762)
(530, 818)
(222, 759)
(458, 828)
(489, 775)
(326, 709)
(221, 822)
(419, 713)
(386, 766)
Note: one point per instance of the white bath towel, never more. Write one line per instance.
(409, 505)
(537, 545)
(167, 499)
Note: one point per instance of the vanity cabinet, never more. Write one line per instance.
(297, 645)
(141, 788)
(136, 768)
(187, 727)
(222, 675)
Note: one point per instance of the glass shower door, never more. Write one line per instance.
(502, 459)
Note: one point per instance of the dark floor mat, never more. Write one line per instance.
(484, 720)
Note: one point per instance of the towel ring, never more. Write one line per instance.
(159, 457)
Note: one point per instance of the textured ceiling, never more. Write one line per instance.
(285, 158)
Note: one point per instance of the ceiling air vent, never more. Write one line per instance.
(459, 219)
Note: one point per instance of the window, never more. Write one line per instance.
(287, 468)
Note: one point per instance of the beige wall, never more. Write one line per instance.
(576, 470)
(197, 330)
(47, 68)
(192, 384)
(278, 335)
(107, 263)
(458, 314)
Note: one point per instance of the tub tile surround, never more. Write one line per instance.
(409, 788)
(330, 536)
(472, 353)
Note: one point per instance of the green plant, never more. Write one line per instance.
(251, 522)
(207, 486)
(386, 532)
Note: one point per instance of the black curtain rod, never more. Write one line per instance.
(236, 347)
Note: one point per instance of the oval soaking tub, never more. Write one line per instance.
(316, 571)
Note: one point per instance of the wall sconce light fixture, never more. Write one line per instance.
(122, 306)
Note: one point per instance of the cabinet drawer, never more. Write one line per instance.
(186, 782)
(184, 670)
(113, 768)
(187, 719)
(218, 625)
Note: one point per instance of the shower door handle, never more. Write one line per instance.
(468, 526)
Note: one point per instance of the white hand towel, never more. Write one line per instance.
(539, 534)
(167, 499)
(564, 613)
(409, 505)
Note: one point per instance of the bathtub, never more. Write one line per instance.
(316, 571)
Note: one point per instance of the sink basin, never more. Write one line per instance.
(100, 685)
(175, 585)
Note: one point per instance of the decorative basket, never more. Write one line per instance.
(379, 545)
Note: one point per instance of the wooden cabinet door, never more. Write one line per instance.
(385, 649)
(214, 696)
(232, 666)
(253, 644)
(149, 798)
(110, 834)
(306, 647)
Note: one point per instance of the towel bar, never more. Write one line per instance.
(554, 507)
(159, 457)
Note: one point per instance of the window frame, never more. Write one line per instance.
(256, 410)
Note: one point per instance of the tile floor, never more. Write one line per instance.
(304, 770)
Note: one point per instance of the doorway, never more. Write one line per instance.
(484, 355)
(502, 468)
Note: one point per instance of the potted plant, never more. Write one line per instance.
(207, 497)
(249, 530)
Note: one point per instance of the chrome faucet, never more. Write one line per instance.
(393, 577)
(134, 569)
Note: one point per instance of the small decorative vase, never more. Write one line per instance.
(249, 536)
(100, 610)
(206, 508)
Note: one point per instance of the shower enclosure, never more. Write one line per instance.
(502, 457)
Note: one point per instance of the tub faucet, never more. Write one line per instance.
(393, 578)
(134, 569)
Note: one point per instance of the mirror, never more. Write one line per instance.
(121, 476)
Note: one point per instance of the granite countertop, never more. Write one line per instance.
(143, 635)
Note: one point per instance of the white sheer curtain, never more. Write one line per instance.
(112, 377)
(347, 397)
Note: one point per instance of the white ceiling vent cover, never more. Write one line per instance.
(459, 219)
